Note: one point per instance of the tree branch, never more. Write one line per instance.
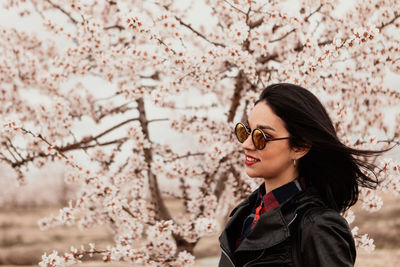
(74, 146)
(185, 195)
(239, 85)
(108, 130)
(185, 156)
(10, 152)
(44, 140)
(389, 22)
(264, 59)
(119, 27)
(163, 212)
(241, 11)
(164, 44)
(256, 23)
(312, 13)
(220, 186)
(197, 33)
(31, 158)
(63, 11)
(119, 109)
(282, 37)
(117, 141)
(155, 120)
(14, 149)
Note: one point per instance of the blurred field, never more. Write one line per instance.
(22, 243)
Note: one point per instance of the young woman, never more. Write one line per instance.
(293, 219)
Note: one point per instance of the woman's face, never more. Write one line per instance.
(276, 158)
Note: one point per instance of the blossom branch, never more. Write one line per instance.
(10, 152)
(185, 156)
(197, 32)
(77, 145)
(117, 141)
(4, 158)
(220, 186)
(13, 148)
(239, 85)
(255, 24)
(312, 13)
(119, 109)
(283, 36)
(388, 141)
(238, 9)
(89, 139)
(50, 146)
(164, 44)
(185, 195)
(389, 22)
(119, 27)
(63, 11)
(109, 97)
(164, 213)
(37, 10)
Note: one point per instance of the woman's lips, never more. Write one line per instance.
(250, 162)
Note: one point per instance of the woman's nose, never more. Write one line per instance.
(248, 144)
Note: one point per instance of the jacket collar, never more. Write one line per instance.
(258, 238)
(277, 222)
(226, 237)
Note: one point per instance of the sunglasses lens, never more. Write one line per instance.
(258, 139)
(241, 132)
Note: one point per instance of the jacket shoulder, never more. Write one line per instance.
(326, 238)
(322, 220)
(323, 215)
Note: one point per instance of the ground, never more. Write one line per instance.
(22, 243)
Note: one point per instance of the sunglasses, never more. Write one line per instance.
(257, 136)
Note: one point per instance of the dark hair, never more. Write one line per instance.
(333, 168)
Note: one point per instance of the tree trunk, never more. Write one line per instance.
(163, 212)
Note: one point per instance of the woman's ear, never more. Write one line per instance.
(298, 152)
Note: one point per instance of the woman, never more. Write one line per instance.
(293, 218)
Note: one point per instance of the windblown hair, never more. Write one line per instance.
(333, 168)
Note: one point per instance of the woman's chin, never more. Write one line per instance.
(252, 174)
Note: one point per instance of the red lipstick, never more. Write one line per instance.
(248, 162)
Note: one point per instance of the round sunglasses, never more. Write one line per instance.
(257, 136)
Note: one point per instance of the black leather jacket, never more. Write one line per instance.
(302, 231)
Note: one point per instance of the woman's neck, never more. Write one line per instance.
(272, 183)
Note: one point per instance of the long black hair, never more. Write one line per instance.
(333, 168)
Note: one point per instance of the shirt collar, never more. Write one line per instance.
(276, 197)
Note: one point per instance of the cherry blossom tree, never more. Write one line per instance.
(151, 53)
